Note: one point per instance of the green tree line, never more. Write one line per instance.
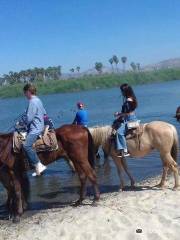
(94, 82)
(32, 75)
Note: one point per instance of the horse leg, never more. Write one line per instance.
(18, 206)
(71, 165)
(168, 162)
(98, 158)
(124, 164)
(119, 166)
(90, 173)
(105, 149)
(25, 186)
(6, 181)
(174, 167)
(83, 180)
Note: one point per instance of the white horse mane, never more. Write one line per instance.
(100, 134)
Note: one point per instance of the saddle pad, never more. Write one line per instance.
(47, 142)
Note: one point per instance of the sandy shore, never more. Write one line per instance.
(143, 213)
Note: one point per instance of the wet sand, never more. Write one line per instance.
(142, 213)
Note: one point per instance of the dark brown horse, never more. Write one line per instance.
(75, 143)
(177, 116)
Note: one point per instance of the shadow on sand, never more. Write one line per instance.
(50, 199)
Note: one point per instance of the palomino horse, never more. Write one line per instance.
(155, 135)
(75, 143)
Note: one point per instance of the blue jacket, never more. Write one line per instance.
(81, 117)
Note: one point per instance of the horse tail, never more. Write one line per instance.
(175, 146)
(91, 151)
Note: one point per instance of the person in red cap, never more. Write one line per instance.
(81, 117)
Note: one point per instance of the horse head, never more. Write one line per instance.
(177, 116)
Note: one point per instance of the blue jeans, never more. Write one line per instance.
(120, 136)
(30, 152)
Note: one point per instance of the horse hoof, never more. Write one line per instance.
(160, 186)
(97, 197)
(77, 203)
(121, 189)
(16, 219)
(175, 188)
(95, 201)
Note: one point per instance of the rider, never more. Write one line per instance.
(34, 119)
(127, 114)
(81, 117)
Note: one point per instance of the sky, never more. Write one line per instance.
(70, 33)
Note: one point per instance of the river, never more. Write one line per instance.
(59, 185)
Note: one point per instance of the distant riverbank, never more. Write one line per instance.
(92, 82)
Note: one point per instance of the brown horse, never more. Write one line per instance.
(75, 143)
(157, 135)
(177, 116)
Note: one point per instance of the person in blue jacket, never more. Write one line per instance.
(81, 117)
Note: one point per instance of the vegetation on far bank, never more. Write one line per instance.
(93, 82)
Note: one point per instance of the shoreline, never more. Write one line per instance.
(92, 82)
(142, 213)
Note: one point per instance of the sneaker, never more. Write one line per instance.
(39, 167)
(121, 153)
(126, 154)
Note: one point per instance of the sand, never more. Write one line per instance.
(143, 213)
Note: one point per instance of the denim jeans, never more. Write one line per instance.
(120, 136)
(30, 152)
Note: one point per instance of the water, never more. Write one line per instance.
(59, 185)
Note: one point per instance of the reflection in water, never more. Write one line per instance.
(59, 186)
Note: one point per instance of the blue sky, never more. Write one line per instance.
(70, 33)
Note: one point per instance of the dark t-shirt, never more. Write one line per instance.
(128, 106)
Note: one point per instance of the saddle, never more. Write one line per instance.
(132, 133)
(45, 142)
(135, 133)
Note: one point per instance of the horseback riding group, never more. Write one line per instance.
(36, 142)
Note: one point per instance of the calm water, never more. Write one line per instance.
(59, 185)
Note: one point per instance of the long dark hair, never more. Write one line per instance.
(128, 93)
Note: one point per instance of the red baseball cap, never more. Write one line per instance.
(80, 104)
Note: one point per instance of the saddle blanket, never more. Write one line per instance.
(46, 142)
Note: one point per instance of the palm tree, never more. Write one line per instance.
(78, 69)
(124, 60)
(116, 61)
(72, 70)
(138, 66)
(98, 67)
(111, 62)
(133, 65)
(59, 71)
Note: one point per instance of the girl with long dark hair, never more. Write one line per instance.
(127, 115)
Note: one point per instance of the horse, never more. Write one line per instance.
(157, 135)
(177, 116)
(74, 142)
